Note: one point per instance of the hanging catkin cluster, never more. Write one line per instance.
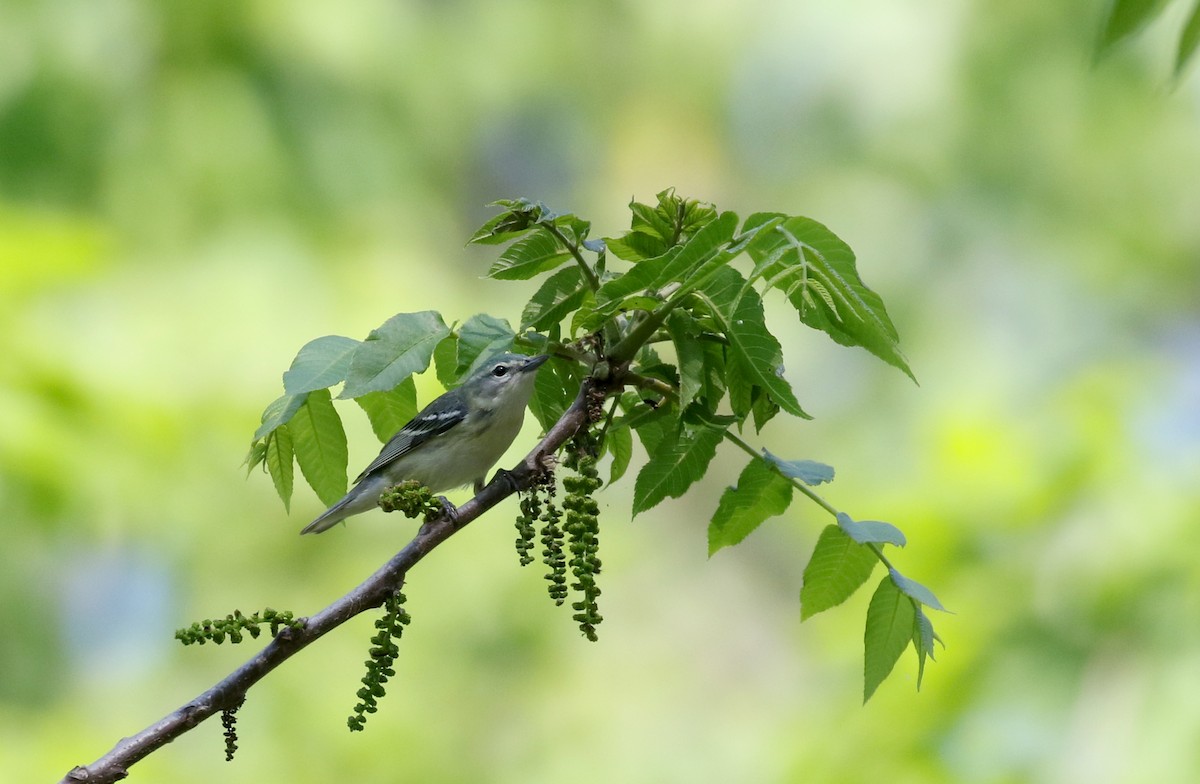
(578, 533)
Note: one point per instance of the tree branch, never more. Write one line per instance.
(371, 593)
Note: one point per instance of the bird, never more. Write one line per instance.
(451, 442)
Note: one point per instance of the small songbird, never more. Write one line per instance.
(452, 442)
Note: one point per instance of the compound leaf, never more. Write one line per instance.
(817, 272)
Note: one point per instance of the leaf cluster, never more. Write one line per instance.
(668, 319)
(302, 427)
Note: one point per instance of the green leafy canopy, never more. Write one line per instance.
(670, 318)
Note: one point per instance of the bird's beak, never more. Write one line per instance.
(533, 363)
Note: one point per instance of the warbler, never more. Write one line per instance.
(453, 441)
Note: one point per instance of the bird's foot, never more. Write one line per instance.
(444, 510)
(508, 478)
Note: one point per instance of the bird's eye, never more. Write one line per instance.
(499, 371)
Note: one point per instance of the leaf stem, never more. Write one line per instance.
(588, 272)
(657, 385)
(735, 439)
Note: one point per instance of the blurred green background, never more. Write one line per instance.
(191, 191)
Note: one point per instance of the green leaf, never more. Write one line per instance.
(700, 414)
(518, 217)
(916, 591)
(645, 277)
(391, 410)
(741, 392)
(662, 221)
(675, 464)
(890, 619)
(481, 337)
(562, 293)
(554, 389)
(712, 384)
(278, 458)
(810, 472)
(533, 343)
(530, 256)
(256, 455)
(320, 363)
(1189, 39)
(871, 531)
(923, 637)
(673, 219)
(653, 424)
(620, 444)
(279, 412)
(755, 354)
(837, 568)
(763, 407)
(636, 246)
(759, 228)
(690, 353)
(704, 248)
(445, 359)
(403, 345)
(707, 247)
(817, 272)
(574, 228)
(591, 316)
(761, 493)
(320, 446)
(1126, 17)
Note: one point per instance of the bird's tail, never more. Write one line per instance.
(363, 497)
(331, 516)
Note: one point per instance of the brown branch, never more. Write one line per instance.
(371, 593)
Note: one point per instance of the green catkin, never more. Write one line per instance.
(583, 532)
(234, 625)
(552, 553)
(383, 654)
(531, 509)
(229, 722)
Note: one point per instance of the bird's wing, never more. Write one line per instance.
(435, 419)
